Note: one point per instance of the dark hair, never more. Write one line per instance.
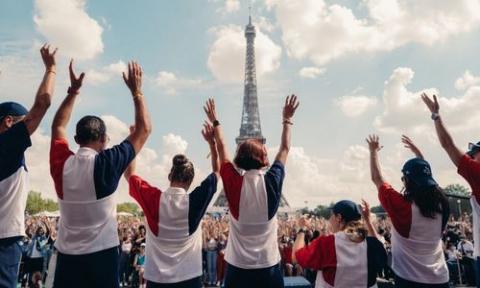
(182, 170)
(90, 129)
(251, 154)
(430, 200)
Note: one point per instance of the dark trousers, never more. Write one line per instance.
(191, 283)
(10, 255)
(95, 270)
(403, 283)
(270, 277)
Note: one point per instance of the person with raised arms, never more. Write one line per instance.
(419, 217)
(253, 191)
(174, 237)
(17, 124)
(350, 257)
(468, 166)
(86, 182)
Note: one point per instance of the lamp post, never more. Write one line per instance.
(459, 202)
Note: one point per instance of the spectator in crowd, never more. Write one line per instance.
(419, 217)
(140, 265)
(17, 124)
(253, 198)
(126, 249)
(85, 183)
(468, 165)
(351, 257)
(174, 242)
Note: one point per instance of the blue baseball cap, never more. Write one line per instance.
(473, 149)
(348, 209)
(419, 171)
(12, 109)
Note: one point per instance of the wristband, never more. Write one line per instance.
(287, 121)
(301, 230)
(137, 95)
(72, 91)
(51, 71)
(215, 123)
(435, 116)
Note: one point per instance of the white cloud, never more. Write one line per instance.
(226, 59)
(171, 83)
(67, 25)
(466, 81)
(311, 72)
(354, 106)
(106, 73)
(320, 31)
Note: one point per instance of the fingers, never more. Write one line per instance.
(54, 51)
(80, 79)
(125, 78)
(70, 69)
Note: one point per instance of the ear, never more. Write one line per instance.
(8, 122)
(76, 140)
(170, 176)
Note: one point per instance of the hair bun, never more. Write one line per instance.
(180, 160)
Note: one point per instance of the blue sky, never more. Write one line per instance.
(192, 50)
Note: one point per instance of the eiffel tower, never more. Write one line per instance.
(250, 127)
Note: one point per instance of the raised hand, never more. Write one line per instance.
(134, 78)
(365, 210)
(75, 82)
(373, 143)
(291, 104)
(432, 105)
(408, 143)
(48, 57)
(303, 222)
(208, 133)
(209, 109)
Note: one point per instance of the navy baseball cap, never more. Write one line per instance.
(419, 171)
(12, 109)
(348, 209)
(473, 149)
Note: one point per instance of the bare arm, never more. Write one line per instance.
(446, 140)
(208, 133)
(43, 99)
(131, 169)
(372, 232)
(143, 126)
(303, 223)
(291, 105)
(64, 112)
(410, 145)
(374, 147)
(212, 117)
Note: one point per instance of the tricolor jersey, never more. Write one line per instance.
(342, 262)
(417, 251)
(174, 242)
(470, 170)
(253, 198)
(13, 180)
(85, 183)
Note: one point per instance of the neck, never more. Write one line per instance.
(94, 146)
(179, 185)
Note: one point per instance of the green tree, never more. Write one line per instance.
(128, 207)
(457, 190)
(36, 203)
(458, 199)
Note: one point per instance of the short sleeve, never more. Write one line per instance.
(399, 209)
(199, 200)
(232, 184)
(273, 184)
(59, 153)
(319, 254)
(470, 170)
(13, 144)
(109, 167)
(148, 197)
(376, 259)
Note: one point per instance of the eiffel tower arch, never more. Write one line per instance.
(250, 126)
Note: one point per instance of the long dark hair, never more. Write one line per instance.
(431, 200)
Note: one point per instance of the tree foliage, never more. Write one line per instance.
(129, 207)
(36, 203)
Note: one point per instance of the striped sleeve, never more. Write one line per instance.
(148, 197)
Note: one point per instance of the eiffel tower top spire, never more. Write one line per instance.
(250, 127)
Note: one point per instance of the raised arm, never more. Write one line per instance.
(212, 117)
(446, 140)
(132, 167)
(64, 112)
(299, 243)
(374, 147)
(367, 217)
(291, 105)
(208, 133)
(410, 145)
(43, 99)
(143, 126)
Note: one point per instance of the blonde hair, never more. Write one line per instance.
(356, 231)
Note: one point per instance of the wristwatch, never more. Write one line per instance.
(435, 116)
(215, 123)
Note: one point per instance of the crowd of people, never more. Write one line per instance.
(252, 246)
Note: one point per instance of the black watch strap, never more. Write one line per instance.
(216, 123)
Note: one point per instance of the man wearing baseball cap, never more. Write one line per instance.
(468, 165)
(16, 125)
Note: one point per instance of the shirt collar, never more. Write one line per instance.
(86, 151)
(175, 190)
